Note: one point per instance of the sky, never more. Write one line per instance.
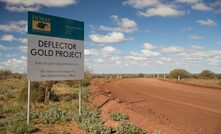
(124, 36)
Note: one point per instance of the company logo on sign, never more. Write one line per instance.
(41, 23)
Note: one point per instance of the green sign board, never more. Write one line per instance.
(47, 25)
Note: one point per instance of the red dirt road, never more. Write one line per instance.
(184, 108)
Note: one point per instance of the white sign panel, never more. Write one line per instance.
(55, 48)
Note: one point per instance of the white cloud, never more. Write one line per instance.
(123, 25)
(141, 3)
(195, 37)
(22, 8)
(9, 37)
(135, 58)
(197, 47)
(200, 6)
(162, 10)
(218, 42)
(207, 22)
(14, 26)
(148, 46)
(193, 58)
(3, 47)
(10, 55)
(196, 4)
(188, 1)
(23, 48)
(216, 6)
(187, 29)
(90, 52)
(99, 61)
(113, 37)
(148, 53)
(172, 49)
(144, 54)
(15, 65)
(101, 52)
(34, 5)
(214, 62)
(108, 49)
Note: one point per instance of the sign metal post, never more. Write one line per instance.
(80, 90)
(29, 96)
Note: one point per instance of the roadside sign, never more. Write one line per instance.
(55, 48)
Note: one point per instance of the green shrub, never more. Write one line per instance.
(53, 115)
(119, 117)
(88, 120)
(15, 119)
(127, 128)
(179, 72)
(22, 128)
(101, 129)
(207, 74)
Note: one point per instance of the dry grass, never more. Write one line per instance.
(204, 82)
(62, 88)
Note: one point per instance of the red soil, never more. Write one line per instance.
(153, 104)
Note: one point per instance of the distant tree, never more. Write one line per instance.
(141, 75)
(4, 74)
(195, 76)
(207, 74)
(179, 72)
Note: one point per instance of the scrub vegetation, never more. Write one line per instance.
(56, 102)
(52, 102)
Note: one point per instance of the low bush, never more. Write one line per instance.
(127, 128)
(89, 120)
(53, 115)
(119, 117)
(15, 119)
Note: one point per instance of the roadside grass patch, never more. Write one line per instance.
(90, 121)
(22, 128)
